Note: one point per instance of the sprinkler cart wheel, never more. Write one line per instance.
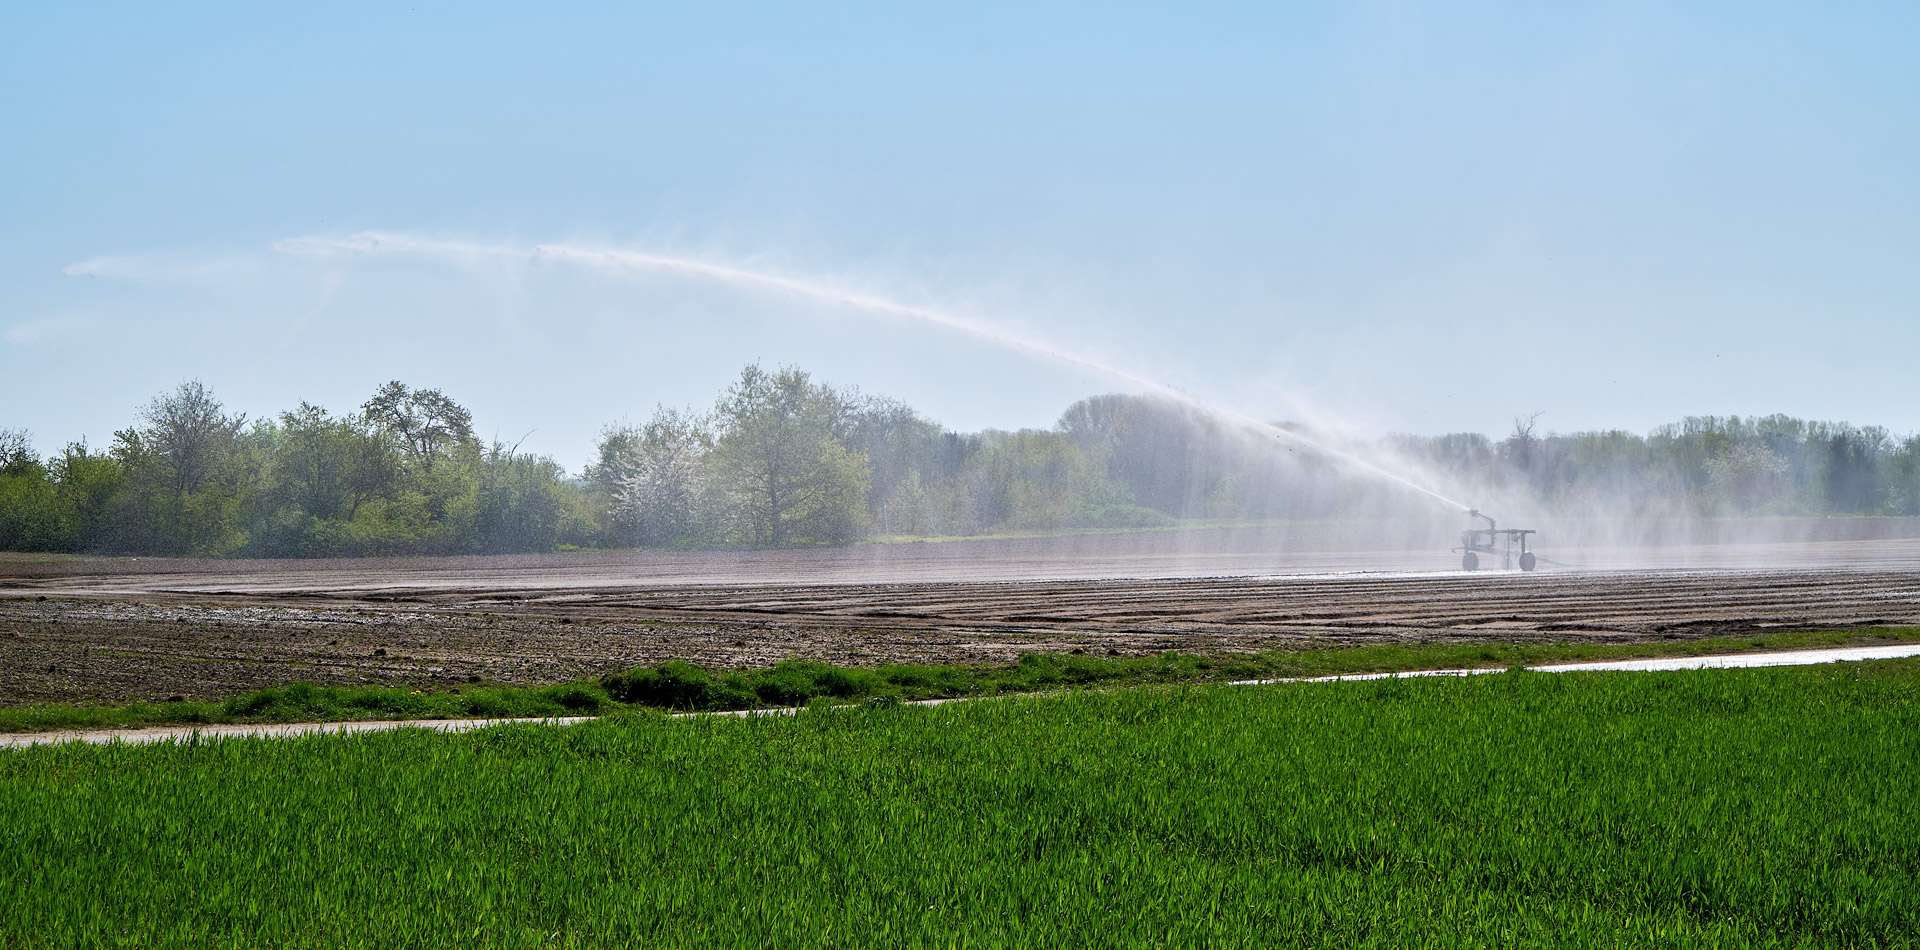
(1470, 562)
(1526, 561)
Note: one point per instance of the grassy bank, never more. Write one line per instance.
(684, 687)
(1713, 808)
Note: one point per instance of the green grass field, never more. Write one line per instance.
(1714, 808)
(684, 687)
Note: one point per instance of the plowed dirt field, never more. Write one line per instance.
(103, 630)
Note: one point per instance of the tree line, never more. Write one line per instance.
(781, 460)
(404, 473)
(1702, 466)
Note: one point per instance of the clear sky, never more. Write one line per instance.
(1405, 217)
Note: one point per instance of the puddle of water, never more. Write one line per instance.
(1729, 661)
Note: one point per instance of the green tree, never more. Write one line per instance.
(652, 477)
(900, 446)
(1749, 476)
(1037, 479)
(1902, 477)
(16, 452)
(186, 476)
(90, 486)
(1849, 468)
(328, 466)
(29, 516)
(190, 436)
(428, 426)
(519, 503)
(438, 471)
(779, 466)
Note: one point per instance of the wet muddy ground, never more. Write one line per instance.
(114, 630)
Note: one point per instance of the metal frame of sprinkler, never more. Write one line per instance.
(1494, 540)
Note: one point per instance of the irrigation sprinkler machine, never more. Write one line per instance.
(1494, 541)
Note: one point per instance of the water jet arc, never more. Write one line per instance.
(633, 261)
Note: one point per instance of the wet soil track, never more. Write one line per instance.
(116, 630)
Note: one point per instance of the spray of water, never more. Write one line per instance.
(633, 262)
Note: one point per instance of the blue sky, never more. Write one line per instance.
(1395, 217)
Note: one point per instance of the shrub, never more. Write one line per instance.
(252, 704)
(677, 685)
(486, 705)
(381, 700)
(575, 697)
(794, 683)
